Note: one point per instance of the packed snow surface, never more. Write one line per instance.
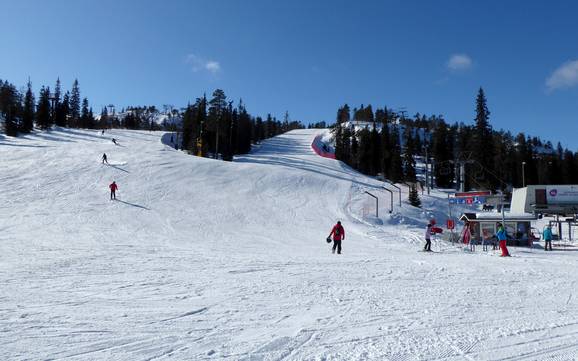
(200, 259)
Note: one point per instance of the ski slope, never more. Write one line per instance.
(201, 259)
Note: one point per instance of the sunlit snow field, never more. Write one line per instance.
(203, 259)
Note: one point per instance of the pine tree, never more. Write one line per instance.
(364, 153)
(409, 173)
(413, 197)
(217, 106)
(84, 118)
(43, 119)
(442, 152)
(9, 108)
(396, 170)
(75, 105)
(28, 113)
(63, 116)
(483, 147)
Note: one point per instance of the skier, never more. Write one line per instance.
(114, 141)
(502, 236)
(104, 160)
(547, 238)
(113, 188)
(428, 234)
(102, 132)
(338, 234)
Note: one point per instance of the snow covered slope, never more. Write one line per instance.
(202, 259)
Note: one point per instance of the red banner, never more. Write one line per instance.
(472, 194)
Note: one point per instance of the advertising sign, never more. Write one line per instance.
(562, 194)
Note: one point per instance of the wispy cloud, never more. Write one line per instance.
(199, 63)
(459, 62)
(566, 76)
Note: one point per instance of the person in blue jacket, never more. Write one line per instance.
(547, 238)
(502, 237)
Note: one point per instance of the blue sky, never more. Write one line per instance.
(309, 57)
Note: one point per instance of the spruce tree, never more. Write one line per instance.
(483, 139)
(75, 105)
(409, 174)
(63, 116)
(396, 170)
(84, 117)
(28, 113)
(9, 108)
(413, 197)
(43, 119)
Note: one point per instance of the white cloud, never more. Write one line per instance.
(459, 62)
(199, 64)
(566, 76)
(213, 66)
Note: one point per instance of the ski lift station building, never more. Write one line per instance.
(526, 205)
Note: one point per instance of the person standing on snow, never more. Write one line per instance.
(547, 238)
(113, 188)
(338, 234)
(104, 160)
(502, 237)
(428, 234)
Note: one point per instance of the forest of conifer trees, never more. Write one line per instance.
(208, 127)
(382, 142)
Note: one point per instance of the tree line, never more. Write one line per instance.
(21, 111)
(387, 143)
(209, 127)
(215, 126)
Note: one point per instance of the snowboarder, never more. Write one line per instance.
(104, 160)
(547, 238)
(428, 233)
(113, 188)
(114, 141)
(502, 237)
(338, 234)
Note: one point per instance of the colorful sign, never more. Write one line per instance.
(562, 194)
(468, 200)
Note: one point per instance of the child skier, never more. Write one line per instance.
(113, 188)
(338, 234)
(428, 234)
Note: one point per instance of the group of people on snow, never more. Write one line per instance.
(113, 186)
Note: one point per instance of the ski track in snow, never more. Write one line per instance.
(201, 259)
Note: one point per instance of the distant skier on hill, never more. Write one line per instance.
(338, 234)
(104, 160)
(114, 141)
(113, 188)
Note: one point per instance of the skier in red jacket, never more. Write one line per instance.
(113, 187)
(338, 234)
